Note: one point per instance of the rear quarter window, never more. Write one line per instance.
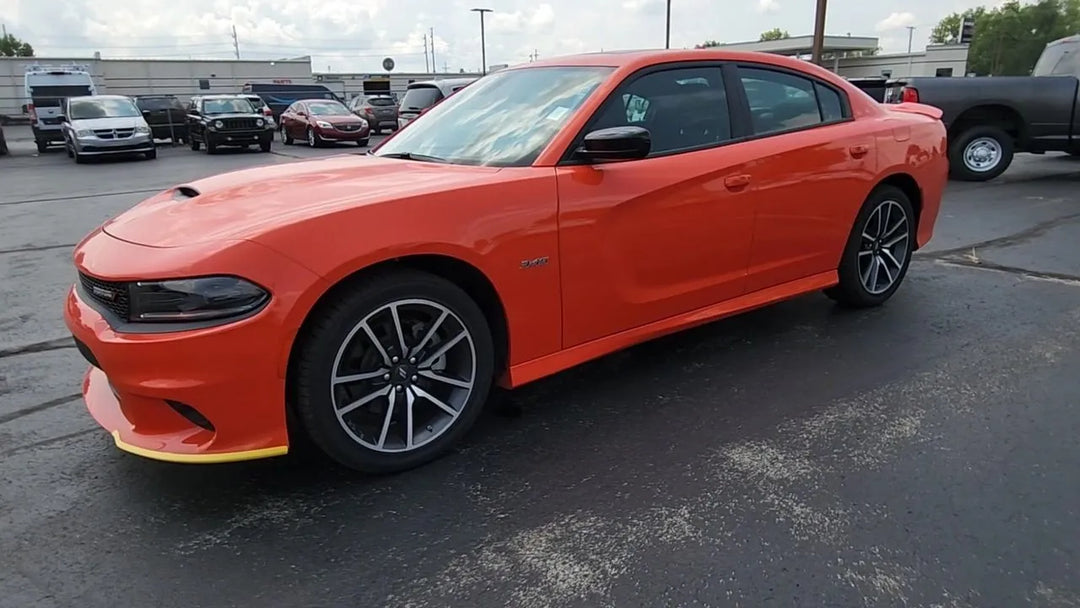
(421, 97)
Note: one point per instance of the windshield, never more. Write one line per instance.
(82, 109)
(159, 103)
(505, 119)
(227, 106)
(327, 108)
(51, 95)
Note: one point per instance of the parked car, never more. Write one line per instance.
(380, 111)
(261, 107)
(373, 301)
(991, 118)
(280, 96)
(419, 96)
(97, 125)
(47, 86)
(3, 143)
(166, 116)
(227, 121)
(320, 122)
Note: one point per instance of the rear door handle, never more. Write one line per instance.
(737, 182)
(859, 151)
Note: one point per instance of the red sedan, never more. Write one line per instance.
(322, 121)
(542, 217)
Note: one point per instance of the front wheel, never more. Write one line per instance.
(878, 250)
(980, 154)
(152, 154)
(194, 144)
(264, 145)
(392, 373)
(313, 138)
(286, 139)
(211, 146)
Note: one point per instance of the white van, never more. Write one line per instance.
(47, 87)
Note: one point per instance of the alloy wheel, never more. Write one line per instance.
(884, 247)
(311, 137)
(402, 375)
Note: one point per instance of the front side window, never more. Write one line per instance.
(683, 109)
(504, 119)
(84, 109)
(227, 106)
(780, 101)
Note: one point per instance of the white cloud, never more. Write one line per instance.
(768, 6)
(543, 16)
(895, 21)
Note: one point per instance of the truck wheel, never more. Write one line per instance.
(980, 154)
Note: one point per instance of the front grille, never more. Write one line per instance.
(114, 133)
(347, 127)
(238, 124)
(113, 296)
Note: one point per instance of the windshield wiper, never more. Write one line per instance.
(414, 156)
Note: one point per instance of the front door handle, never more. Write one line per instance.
(737, 182)
(859, 151)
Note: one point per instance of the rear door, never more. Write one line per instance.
(814, 167)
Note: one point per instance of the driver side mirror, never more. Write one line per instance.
(615, 144)
(146, 114)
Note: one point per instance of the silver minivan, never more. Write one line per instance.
(97, 125)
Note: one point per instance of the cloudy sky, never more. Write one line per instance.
(354, 35)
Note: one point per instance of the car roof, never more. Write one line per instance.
(81, 97)
(442, 83)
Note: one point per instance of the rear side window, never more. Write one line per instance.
(780, 101)
(381, 101)
(159, 103)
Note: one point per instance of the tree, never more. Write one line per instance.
(773, 34)
(708, 44)
(1009, 38)
(10, 46)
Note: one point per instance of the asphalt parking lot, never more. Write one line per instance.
(921, 454)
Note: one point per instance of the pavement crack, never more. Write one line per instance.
(38, 248)
(47, 442)
(6, 418)
(1012, 239)
(75, 197)
(37, 347)
(966, 262)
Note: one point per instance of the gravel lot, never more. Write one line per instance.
(921, 454)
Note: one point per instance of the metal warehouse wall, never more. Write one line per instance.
(135, 76)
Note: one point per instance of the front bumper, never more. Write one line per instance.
(240, 138)
(336, 135)
(214, 394)
(141, 142)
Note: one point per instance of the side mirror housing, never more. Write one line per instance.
(62, 118)
(615, 144)
(146, 113)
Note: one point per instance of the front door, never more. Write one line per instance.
(643, 240)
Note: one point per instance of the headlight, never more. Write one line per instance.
(197, 299)
(142, 129)
(258, 122)
(84, 133)
(323, 124)
(363, 123)
(218, 124)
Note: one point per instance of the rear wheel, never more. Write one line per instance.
(878, 251)
(980, 154)
(393, 372)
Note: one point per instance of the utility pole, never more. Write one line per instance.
(426, 67)
(483, 44)
(819, 32)
(910, 33)
(235, 42)
(433, 64)
(667, 35)
(3, 28)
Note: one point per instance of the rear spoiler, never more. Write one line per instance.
(917, 108)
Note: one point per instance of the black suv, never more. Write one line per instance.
(227, 120)
(166, 116)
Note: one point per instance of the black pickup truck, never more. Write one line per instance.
(990, 118)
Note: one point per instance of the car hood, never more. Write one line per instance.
(125, 122)
(246, 204)
(337, 117)
(231, 115)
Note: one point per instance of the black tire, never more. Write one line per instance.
(211, 146)
(194, 144)
(264, 145)
(318, 345)
(851, 290)
(313, 138)
(1004, 142)
(362, 143)
(152, 154)
(79, 158)
(42, 146)
(3, 144)
(68, 149)
(285, 137)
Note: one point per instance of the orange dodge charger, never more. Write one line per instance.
(544, 216)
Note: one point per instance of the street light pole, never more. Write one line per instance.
(667, 36)
(819, 33)
(483, 47)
